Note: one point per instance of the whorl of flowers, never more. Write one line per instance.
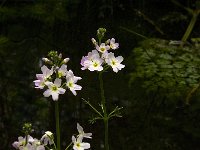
(55, 78)
(101, 58)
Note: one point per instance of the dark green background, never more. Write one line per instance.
(155, 114)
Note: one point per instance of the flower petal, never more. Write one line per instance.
(47, 93)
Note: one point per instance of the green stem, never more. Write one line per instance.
(68, 146)
(103, 100)
(26, 139)
(57, 124)
(190, 27)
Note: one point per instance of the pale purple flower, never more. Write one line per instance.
(32, 144)
(92, 61)
(54, 89)
(78, 144)
(71, 82)
(22, 141)
(47, 138)
(41, 78)
(62, 71)
(73, 87)
(113, 45)
(82, 133)
(86, 60)
(70, 74)
(115, 62)
(102, 48)
(95, 64)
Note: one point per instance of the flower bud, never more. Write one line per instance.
(45, 59)
(65, 60)
(60, 55)
(94, 41)
(107, 42)
(100, 33)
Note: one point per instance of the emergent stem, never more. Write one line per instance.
(103, 101)
(190, 26)
(57, 124)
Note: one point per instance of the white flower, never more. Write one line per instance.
(47, 138)
(73, 87)
(115, 62)
(41, 78)
(40, 82)
(71, 82)
(62, 71)
(92, 62)
(54, 89)
(70, 74)
(46, 72)
(78, 144)
(102, 48)
(36, 145)
(82, 133)
(113, 45)
(86, 60)
(95, 64)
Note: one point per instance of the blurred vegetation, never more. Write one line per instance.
(158, 88)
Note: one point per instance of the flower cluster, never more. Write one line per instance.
(30, 143)
(51, 79)
(77, 141)
(101, 58)
(47, 141)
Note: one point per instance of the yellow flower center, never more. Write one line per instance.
(78, 145)
(60, 74)
(70, 84)
(95, 64)
(113, 62)
(102, 49)
(54, 88)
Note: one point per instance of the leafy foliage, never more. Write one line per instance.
(162, 64)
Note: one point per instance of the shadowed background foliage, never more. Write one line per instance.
(155, 89)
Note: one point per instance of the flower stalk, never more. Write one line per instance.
(57, 125)
(105, 116)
